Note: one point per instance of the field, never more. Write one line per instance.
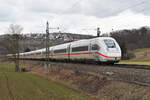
(65, 84)
(27, 86)
(138, 62)
(99, 85)
(142, 57)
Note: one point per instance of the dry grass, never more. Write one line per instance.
(125, 91)
(135, 62)
(142, 54)
(99, 86)
(142, 57)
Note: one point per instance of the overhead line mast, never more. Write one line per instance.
(47, 42)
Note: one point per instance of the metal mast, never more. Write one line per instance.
(47, 43)
(98, 32)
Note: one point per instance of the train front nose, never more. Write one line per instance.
(113, 52)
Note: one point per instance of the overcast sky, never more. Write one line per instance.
(77, 16)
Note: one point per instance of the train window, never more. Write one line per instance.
(95, 47)
(45, 52)
(110, 43)
(60, 51)
(81, 48)
(38, 53)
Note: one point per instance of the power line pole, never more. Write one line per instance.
(47, 47)
(98, 32)
(47, 44)
(95, 29)
(17, 52)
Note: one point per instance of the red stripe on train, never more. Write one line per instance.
(107, 56)
(79, 53)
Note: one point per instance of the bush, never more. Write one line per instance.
(23, 70)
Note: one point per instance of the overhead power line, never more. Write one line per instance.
(135, 5)
(72, 6)
(145, 10)
(129, 7)
(120, 10)
(68, 9)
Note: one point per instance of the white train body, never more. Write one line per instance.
(102, 49)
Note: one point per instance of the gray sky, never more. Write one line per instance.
(74, 15)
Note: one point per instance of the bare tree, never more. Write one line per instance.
(12, 45)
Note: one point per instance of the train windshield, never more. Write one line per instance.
(110, 43)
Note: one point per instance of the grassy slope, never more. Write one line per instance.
(124, 91)
(3, 89)
(142, 54)
(26, 86)
(142, 57)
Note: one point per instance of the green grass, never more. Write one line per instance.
(26, 86)
(3, 89)
(6, 67)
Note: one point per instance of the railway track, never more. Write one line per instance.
(136, 74)
(133, 66)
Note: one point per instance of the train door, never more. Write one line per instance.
(92, 42)
(69, 51)
(93, 50)
(51, 54)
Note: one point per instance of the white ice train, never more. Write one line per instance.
(101, 49)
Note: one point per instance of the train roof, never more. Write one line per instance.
(84, 41)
